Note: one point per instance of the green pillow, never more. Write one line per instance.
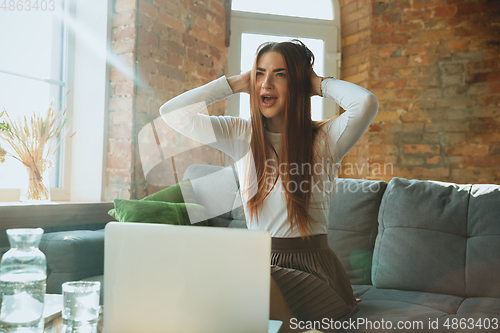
(178, 193)
(147, 211)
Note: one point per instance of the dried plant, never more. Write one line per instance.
(33, 141)
(2, 154)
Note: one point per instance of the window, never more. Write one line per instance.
(255, 22)
(51, 53)
(322, 9)
(31, 75)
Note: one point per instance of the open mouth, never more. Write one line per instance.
(268, 100)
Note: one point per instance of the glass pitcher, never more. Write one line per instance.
(23, 271)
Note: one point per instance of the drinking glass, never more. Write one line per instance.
(81, 306)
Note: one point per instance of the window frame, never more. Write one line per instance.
(278, 25)
(86, 74)
(58, 193)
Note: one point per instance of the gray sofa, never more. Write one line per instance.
(423, 256)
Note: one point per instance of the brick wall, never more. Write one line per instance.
(120, 160)
(433, 64)
(355, 17)
(170, 47)
(435, 68)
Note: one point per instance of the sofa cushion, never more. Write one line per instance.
(438, 237)
(178, 193)
(72, 256)
(383, 316)
(413, 308)
(352, 226)
(421, 242)
(216, 189)
(238, 213)
(483, 242)
(359, 289)
(480, 305)
(219, 221)
(439, 302)
(147, 211)
(442, 310)
(238, 224)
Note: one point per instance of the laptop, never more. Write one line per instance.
(186, 279)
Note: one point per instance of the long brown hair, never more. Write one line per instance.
(297, 136)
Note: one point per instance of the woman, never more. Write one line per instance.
(286, 163)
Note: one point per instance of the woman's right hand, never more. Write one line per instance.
(316, 84)
(240, 83)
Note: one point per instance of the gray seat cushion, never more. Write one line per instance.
(439, 302)
(487, 305)
(72, 256)
(421, 308)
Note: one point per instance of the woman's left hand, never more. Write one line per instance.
(316, 84)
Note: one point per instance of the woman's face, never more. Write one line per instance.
(271, 85)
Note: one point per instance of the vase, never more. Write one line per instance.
(36, 186)
(23, 273)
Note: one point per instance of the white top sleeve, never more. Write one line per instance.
(232, 136)
(182, 113)
(361, 108)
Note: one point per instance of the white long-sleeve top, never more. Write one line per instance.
(232, 136)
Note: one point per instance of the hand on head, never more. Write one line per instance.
(245, 78)
(316, 84)
(240, 83)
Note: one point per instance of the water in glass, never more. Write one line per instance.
(81, 304)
